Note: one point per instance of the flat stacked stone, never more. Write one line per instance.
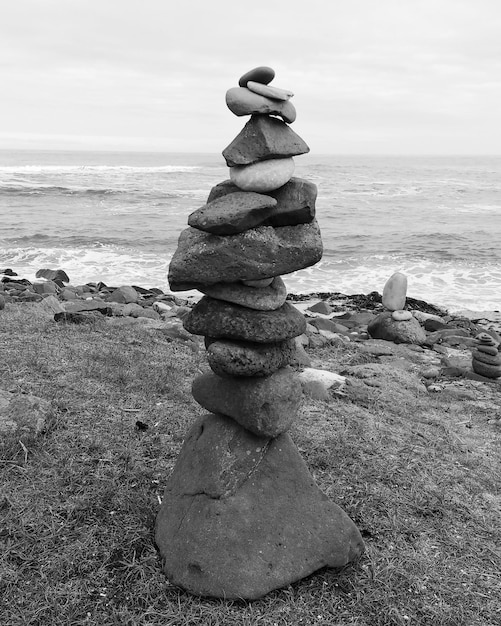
(241, 514)
(486, 359)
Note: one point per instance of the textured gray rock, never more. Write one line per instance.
(243, 101)
(224, 320)
(259, 298)
(243, 358)
(263, 138)
(385, 327)
(22, 415)
(267, 406)
(204, 259)
(295, 201)
(233, 214)
(241, 515)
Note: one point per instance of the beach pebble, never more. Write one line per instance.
(401, 316)
(395, 292)
(485, 369)
(243, 358)
(124, 294)
(295, 201)
(263, 176)
(270, 92)
(266, 298)
(487, 349)
(232, 214)
(261, 74)
(243, 101)
(224, 320)
(320, 307)
(328, 379)
(263, 137)
(267, 406)
(490, 359)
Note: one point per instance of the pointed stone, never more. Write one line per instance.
(244, 358)
(295, 201)
(266, 405)
(232, 214)
(223, 320)
(204, 259)
(261, 74)
(263, 138)
(263, 176)
(243, 101)
(241, 515)
(266, 298)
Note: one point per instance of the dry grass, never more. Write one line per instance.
(419, 474)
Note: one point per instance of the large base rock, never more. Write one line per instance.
(406, 331)
(242, 515)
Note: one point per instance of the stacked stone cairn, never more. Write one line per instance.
(396, 324)
(241, 513)
(486, 359)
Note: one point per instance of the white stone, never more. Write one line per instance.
(263, 175)
(269, 92)
(328, 379)
(395, 292)
(401, 316)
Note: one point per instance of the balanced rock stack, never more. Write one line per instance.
(241, 514)
(396, 324)
(486, 359)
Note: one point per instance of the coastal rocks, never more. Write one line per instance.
(123, 295)
(224, 320)
(486, 359)
(263, 176)
(263, 138)
(406, 331)
(241, 515)
(395, 292)
(244, 358)
(295, 201)
(264, 252)
(243, 101)
(267, 406)
(262, 298)
(233, 214)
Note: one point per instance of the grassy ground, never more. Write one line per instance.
(418, 473)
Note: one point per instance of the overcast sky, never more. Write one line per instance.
(369, 76)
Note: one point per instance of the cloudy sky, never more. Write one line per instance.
(369, 76)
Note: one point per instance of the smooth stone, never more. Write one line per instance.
(243, 358)
(261, 74)
(243, 101)
(401, 316)
(45, 287)
(484, 369)
(265, 405)
(295, 201)
(264, 175)
(241, 515)
(204, 259)
(125, 295)
(395, 292)
(486, 339)
(328, 379)
(262, 138)
(269, 92)
(224, 320)
(232, 214)
(320, 307)
(489, 359)
(258, 284)
(487, 349)
(264, 299)
(385, 327)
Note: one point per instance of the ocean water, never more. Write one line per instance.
(116, 217)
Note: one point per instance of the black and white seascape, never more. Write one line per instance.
(115, 217)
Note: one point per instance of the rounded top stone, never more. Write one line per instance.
(262, 74)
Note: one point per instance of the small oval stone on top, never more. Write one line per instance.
(262, 74)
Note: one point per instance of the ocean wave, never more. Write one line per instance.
(36, 189)
(78, 169)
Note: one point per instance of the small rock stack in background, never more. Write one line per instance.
(486, 359)
(241, 513)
